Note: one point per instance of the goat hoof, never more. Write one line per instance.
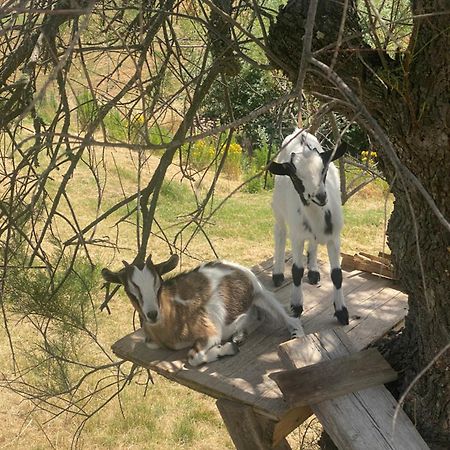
(342, 316)
(313, 276)
(277, 279)
(297, 334)
(239, 339)
(229, 348)
(296, 310)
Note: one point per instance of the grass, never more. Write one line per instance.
(170, 416)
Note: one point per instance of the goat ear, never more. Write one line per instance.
(168, 265)
(285, 168)
(328, 156)
(112, 277)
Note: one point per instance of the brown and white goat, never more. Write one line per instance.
(206, 309)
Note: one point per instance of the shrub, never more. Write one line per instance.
(202, 153)
(87, 110)
(254, 165)
(115, 126)
(233, 163)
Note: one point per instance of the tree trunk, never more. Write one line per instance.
(410, 97)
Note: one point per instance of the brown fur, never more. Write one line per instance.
(237, 291)
(182, 324)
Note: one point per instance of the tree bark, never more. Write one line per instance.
(409, 95)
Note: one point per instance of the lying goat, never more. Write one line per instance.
(206, 309)
(308, 199)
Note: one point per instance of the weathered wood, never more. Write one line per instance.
(333, 378)
(384, 255)
(247, 429)
(358, 262)
(359, 420)
(379, 258)
(289, 422)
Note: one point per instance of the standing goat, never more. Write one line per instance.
(308, 199)
(206, 309)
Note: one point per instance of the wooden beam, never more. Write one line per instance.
(379, 258)
(331, 379)
(364, 264)
(359, 420)
(289, 422)
(247, 429)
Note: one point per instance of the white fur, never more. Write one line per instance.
(148, 285)
(306, 222)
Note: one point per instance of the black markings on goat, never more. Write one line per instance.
(297, 274)
(313, 276)
(278, 279)
(328, 222)
(336, 278)
(297, 310)
(342, 316)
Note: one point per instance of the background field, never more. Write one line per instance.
(170, 416)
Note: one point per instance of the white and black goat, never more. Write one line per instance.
(307, 198)
(206, 309)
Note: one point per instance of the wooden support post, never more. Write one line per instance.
(248, 429)
(289, 422)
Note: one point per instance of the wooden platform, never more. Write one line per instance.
(375, 306)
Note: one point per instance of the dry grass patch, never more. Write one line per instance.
(170, 416)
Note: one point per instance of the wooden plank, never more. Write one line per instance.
(358, 420)
(375, 323)
(357, 262)
(379, 258)
(384, 255)
(248, 430)
(333, 378)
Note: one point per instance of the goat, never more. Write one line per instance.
(206, 309)
(307, 198)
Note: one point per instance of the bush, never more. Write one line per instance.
(202, 153)
(254, 165)
(87, 110)
(233, 163)
(115, 126)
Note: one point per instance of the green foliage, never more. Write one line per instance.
(184, 432)
(173, 190)
(248, 91)
(46, 108)
(233, 161)
(116, 126)
(175, 199)
(139, 132)
(159, 135)
(87, 109)
(64, 299)
(60, 310)
(204, 152)
(254, 165)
